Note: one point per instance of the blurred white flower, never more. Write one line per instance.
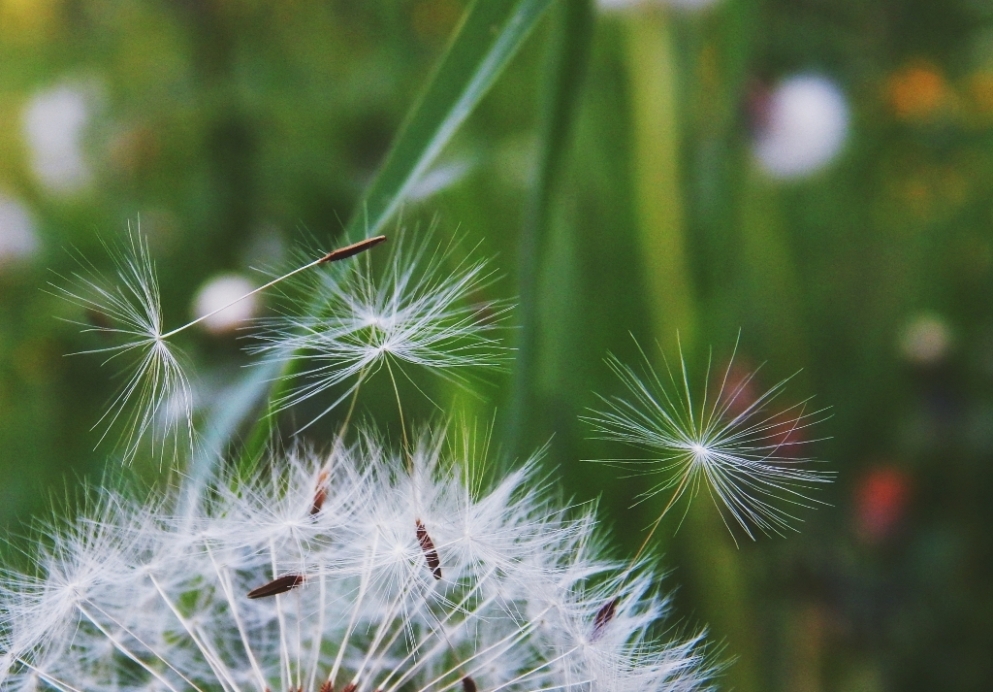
(217, 303)
(346, 573)
(54, 122)
(747, 455)
(18, 239)
(925, 339)
(802, 126)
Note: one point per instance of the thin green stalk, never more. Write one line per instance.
(566, 65)
(482, 45)
(653, 80)
(658, 193)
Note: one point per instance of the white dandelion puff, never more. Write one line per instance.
(421, 309)
(747, 454)
(256, 591)
(155, 403)
(126, 312)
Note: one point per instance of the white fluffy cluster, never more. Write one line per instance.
(729, 440)
(381, 578)
(418, 310)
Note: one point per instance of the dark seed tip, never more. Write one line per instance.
(430, 552)
(353, 249)
(603, 618)
(277, 586)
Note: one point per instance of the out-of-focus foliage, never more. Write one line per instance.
(816, 174)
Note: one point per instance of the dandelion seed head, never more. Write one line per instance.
(154, 403)
(53, 124)
(745, 453)
(420, 309)
(136, 596)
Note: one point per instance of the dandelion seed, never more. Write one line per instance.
(277, 586)
(129, 315)
(427, 547)
(353, 249)
(749, 456)
(416, 311)
(156, 393)
(321, 493)
(603, 618)
(132, 596)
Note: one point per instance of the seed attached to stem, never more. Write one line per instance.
(353, 249)
(279, 585)
(430, 552)
(468, 684)
(320, 492)
(603, 618)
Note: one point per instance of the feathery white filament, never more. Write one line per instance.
(415, 311)
(748, 457)
(129, 317)
(156, 395)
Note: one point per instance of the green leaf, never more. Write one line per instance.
(488, 36)
(568, 57)
(483, 44)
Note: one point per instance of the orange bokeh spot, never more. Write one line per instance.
(917, 92)
(881, 502)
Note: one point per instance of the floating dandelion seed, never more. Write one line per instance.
(134, 597)
(129, 314)
(156, 393)
(418, 310)
(748, 456)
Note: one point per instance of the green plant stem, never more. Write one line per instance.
(482, 45)
(658, 193)
(658, 198)
(565, 73)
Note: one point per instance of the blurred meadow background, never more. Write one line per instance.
(816, 175)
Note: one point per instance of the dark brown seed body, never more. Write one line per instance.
(603, 618)
(353, 249)
(326, 686)
(427, 547)
(320, 493)
(277, 586)
(350, 687)
(468, 684)
(319, 497)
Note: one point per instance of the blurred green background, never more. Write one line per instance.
(817, 174)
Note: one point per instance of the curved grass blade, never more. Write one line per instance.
(490, 33)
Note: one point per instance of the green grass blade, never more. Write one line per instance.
(483, 44)
(485, 41)
(566, 70)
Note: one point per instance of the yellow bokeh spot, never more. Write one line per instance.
(918, 92)
(26, 21)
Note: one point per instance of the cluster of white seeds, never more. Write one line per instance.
(364, 571)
